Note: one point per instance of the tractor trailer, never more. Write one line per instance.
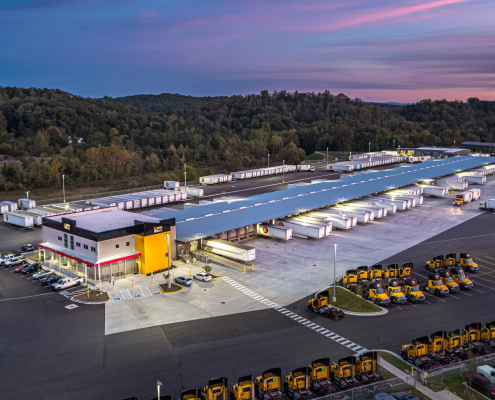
(303, 229)
(17, 219)
(275, 231)
(227, 249)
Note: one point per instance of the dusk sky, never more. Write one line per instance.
(388, 50)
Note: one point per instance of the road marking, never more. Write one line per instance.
(486, 261)
(116, 298)
(71, 306)
(126, 294)
(297, 318)
(477, 290)
(463, 238)
(467, 294)
(157, 293)
(137, 296)
(491, 258)
(27, 297)
(145, 291)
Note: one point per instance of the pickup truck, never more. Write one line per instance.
(8, 257)
(13, 262)
(65, 283)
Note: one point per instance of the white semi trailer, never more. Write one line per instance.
(10, 204)
(227, 249)
(362, 217)
(435, 191)
(26, 204)
(338, 222)
(303, 229)
(18, 219)
(400, 205)
(453, 184)
(326, 223)
(339, 214)
(275, 231)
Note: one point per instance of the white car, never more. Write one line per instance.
(203, 276)
(8, 257)
(65, 283)
(41, 274)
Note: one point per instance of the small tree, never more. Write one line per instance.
(167, 277)
(207, 269)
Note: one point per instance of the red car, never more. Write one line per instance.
(483, 385)
(23, 265)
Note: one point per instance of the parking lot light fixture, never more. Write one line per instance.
(158, 384)
(334, 298)
(27, 195)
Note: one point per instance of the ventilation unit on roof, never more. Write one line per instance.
(323, 190)
(311, 192)
(335, 187)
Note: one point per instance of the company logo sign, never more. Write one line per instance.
(265, 230)
(166, 184)
(67, 226)
(158, 229)
(6, 217)
(202, 179)
(281, 224)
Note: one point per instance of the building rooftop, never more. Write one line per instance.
(203, 221)
(106, 219)
(487, 144)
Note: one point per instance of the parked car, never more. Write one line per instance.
(23, 265)
(51, 279)
(483, 385)
(27, 247)
(383, 396)
(14, 262)
(8, 257)
(184, 280)
(203, 276)
(41, 274)
(65, 283)
(31, 268)
(405, 396)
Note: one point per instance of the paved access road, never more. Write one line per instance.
(49, 351)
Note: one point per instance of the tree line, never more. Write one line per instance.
(45, 133)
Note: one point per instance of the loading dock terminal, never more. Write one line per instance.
(235, 221)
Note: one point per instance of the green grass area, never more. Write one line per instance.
(396, 362)
(315, 156)
(348, 301)
(455, 385)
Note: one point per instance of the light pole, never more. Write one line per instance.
(158, 384)
(185, 176)
(268, 160)
(27, 195)
(334, 298)
(283, 171)
(369, 147)
(394, 146)
(63, 186)
(327, 155)
(454, 143)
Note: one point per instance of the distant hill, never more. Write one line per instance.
(100, 140)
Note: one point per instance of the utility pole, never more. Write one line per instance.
(27, 195)
(268, 160)
(327, 155)
(334, 298)
(158, 384)
(63, 186)
(185, 176)
(369, 147)
(394, 146)
(283, 171)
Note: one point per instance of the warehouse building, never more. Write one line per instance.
(440, 152)
(107, 242)
(484, 147)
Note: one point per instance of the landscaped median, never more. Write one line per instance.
(95, 297)
(352, 304)
(174, 288)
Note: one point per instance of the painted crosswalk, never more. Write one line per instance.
(303, 321)
(126, 294)
(145, 291)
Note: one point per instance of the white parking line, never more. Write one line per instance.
(145, 291)
(126, 294)
(317, 328)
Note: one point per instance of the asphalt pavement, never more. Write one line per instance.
(50, 352)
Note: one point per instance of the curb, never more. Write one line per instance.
(216, 277)
(87, 302)
(359, 314)
(160, 286)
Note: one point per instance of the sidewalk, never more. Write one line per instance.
(423, 389)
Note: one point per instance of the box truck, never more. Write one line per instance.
(17, 219)
(26, 204)
(463, 198)
(362, 217)
(305, 167)
(303, 229)
(452, 184)
(275, 231)
(488, 205)
(476, 193)
(225, 248)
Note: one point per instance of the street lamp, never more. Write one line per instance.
(268, 160)
(334, 298)
(369, 147)
(63, 186)
(158, 384)
(394, 146)
(327, 155)
(185, 176)
(27, 195)
(283, 171)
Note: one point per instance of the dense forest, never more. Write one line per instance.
(46, 133)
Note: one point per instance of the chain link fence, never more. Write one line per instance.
(369, 391)
(465, 368)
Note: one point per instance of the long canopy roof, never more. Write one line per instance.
(207, 220)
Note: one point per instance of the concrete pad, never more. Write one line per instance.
(285, 272)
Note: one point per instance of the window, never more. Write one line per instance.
(86, 246)
(60, 238)
(78, 244)
(128, 244)
(93, 249)
(117, 246)
(72, 242)
(66, 242)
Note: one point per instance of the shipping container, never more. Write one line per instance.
(12, 206)
(400, 204)
(303, 229)
(338, 220)
(37, 218)
(170, 184)
(234, 251)
(435, 191)
(26, 204)
(17, 219)
(304, 167)
(275, 231)
(43, 211)
(362, 217)
(191, 191)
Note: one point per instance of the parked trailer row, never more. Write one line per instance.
(8, 206)
(138, 200)
(274, 231)
(214, 179)
(303, 229)
(255, 173)
(360, 161)
(435, 191)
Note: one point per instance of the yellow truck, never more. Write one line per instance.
(437, 349)
(268, 386)
(413, 292)
(376, 294)
(350, 278)
(488, 334)
(449, 281)
(416, 353)
(297, 384)
(466, 261)
(395, 292)
(343, 374)
(461, 278)
(321, 382)
(436, 286)
(454, 345)
(216, 389)
(244, 389)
